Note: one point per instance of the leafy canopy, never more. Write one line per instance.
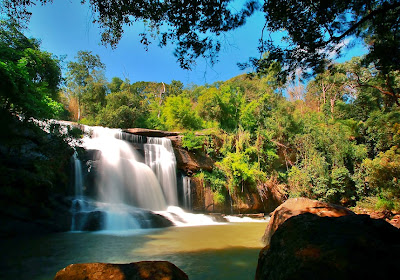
(29, 77)
(192, 26)
(316, 31)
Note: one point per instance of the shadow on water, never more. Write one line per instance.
(208, 252)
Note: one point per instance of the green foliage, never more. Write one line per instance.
(29, 77)
(240, 171)
(383, 171)
(216, 179)
(221, 105)
(192, 142)
(381, 131)
(384, 204)
(123, 110)
(87, 84)
(178, 113)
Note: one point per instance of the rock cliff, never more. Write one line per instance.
(34, 168)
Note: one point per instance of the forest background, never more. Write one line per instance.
(335, 139)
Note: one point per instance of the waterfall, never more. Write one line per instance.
(129, 189)
(122, 176)
(187, 192)
(159, 155)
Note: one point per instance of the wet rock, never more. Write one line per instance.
(296, 206)
(218, 217)
(307, 246)
(190, 161)
(34, 167)
(155, 270)
(156, 221)
(90, 221)
(95, 220)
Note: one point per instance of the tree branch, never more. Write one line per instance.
(383, 9)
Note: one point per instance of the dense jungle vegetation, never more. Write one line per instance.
(334, 138)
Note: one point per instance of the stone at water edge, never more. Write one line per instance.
(150, 270)
(307, 246)
(395, 221)
(300, 205)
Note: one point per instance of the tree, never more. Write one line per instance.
(178, 113)
(123, 110)
(29, 77)
(326, 89)
(115, 84)
(315, 30)
(363, 76)
(86, 80)
(318, 31)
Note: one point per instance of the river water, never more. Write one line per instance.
(222, 251)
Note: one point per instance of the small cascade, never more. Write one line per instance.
(159, 155)
(185, 219)
(78, 204)
(187, 192)
(78, 175)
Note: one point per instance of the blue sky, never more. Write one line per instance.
(65, 27)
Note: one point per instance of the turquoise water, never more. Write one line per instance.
(226, 251)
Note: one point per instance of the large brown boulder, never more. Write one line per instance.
(154, 270)
(307, 246)
(300, 205)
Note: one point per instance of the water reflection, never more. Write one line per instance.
(208, 252)
(212, 237)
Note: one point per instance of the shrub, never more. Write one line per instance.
(192, 142)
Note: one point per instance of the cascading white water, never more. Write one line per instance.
(77, 204)
(130, 191)
(78, 175)
(122, 177)
(159, 155)
(187, 192)
(124, 185)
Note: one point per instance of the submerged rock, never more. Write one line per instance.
(296, 206)
(307, 246)
(154, 270)
(94, 220)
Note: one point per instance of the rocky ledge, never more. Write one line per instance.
(150, 132)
